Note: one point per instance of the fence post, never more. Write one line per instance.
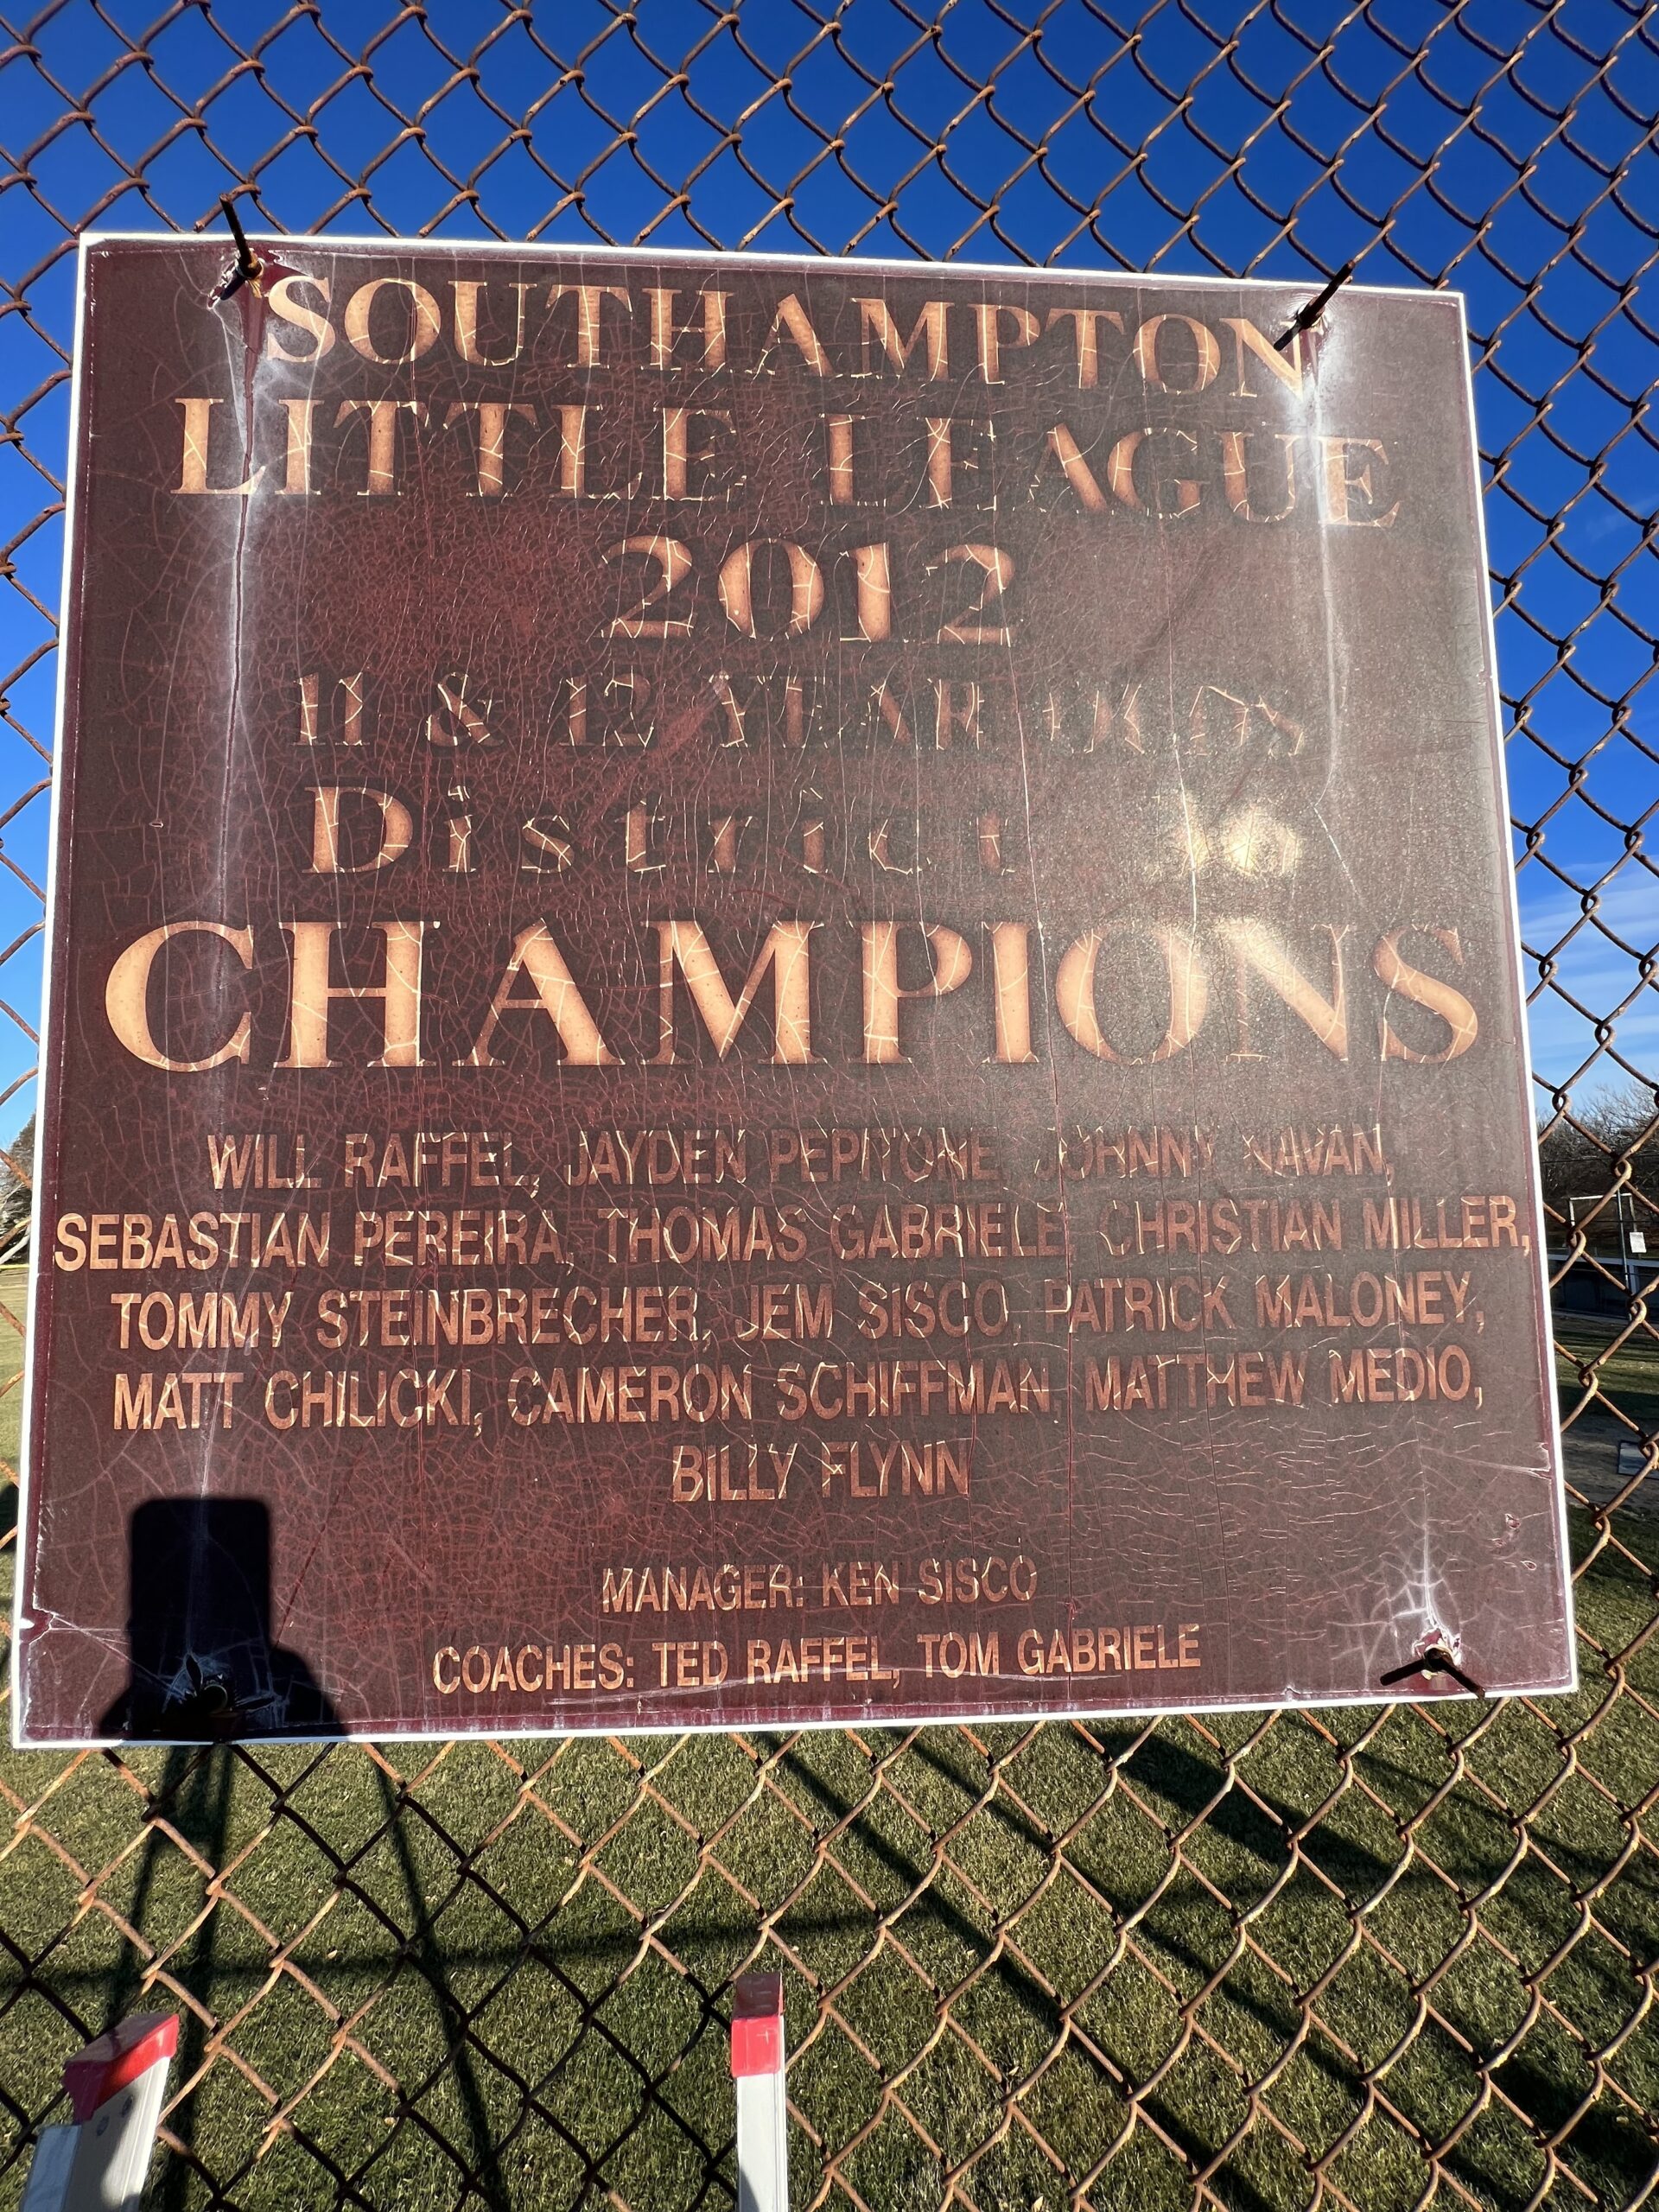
(757, 2070)
(99, 2163)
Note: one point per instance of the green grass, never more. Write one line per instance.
(13, 1298)
(1629, 1379)
(512, 1964)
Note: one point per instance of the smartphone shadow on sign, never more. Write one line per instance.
(203, 1668)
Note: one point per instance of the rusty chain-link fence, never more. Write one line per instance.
(1375, 1958)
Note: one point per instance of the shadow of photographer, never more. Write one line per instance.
(203, 1668)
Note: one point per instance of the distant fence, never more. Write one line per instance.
(1373, 1958)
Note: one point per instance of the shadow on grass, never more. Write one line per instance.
(200, 1783)
(1014, 1979)
(424, 1951)
(195, 1792)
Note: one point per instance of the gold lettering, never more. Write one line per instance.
(397, 828)
(950, 961)
(736, 585)
(425, 323)
(286, 308)
(1235, 473)
(380, 481)
(313, 995)
(1022, 330)
(590, 299)
(1248, 340)
(663, 336)
(536, 954)
(1257, 950)
(296, 471)
(1120, 475)
(1397, 974)
(875, 321)
(1189, 992)
(126, 997)
(1153, 370)
(793, 321)
(466, 292)
(493, 416)
(1342, 479)
(193, 471)
(1011, 988)
(1078, 475)
(1085, 324)
(787, 951)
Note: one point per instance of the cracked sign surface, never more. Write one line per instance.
(778, 992)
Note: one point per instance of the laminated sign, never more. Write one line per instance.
(779, 991)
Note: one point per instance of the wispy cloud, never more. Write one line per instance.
(1597, 966)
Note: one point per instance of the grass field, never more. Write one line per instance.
(1629, 1379)
(416, 1972)
(14, 1302)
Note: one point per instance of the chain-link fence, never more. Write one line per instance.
(1379, 1957)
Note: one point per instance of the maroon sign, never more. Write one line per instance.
(779, 991)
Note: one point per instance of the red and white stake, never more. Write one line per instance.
(757, 2070)
(115, 2087)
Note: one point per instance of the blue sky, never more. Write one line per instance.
(1500, 146)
